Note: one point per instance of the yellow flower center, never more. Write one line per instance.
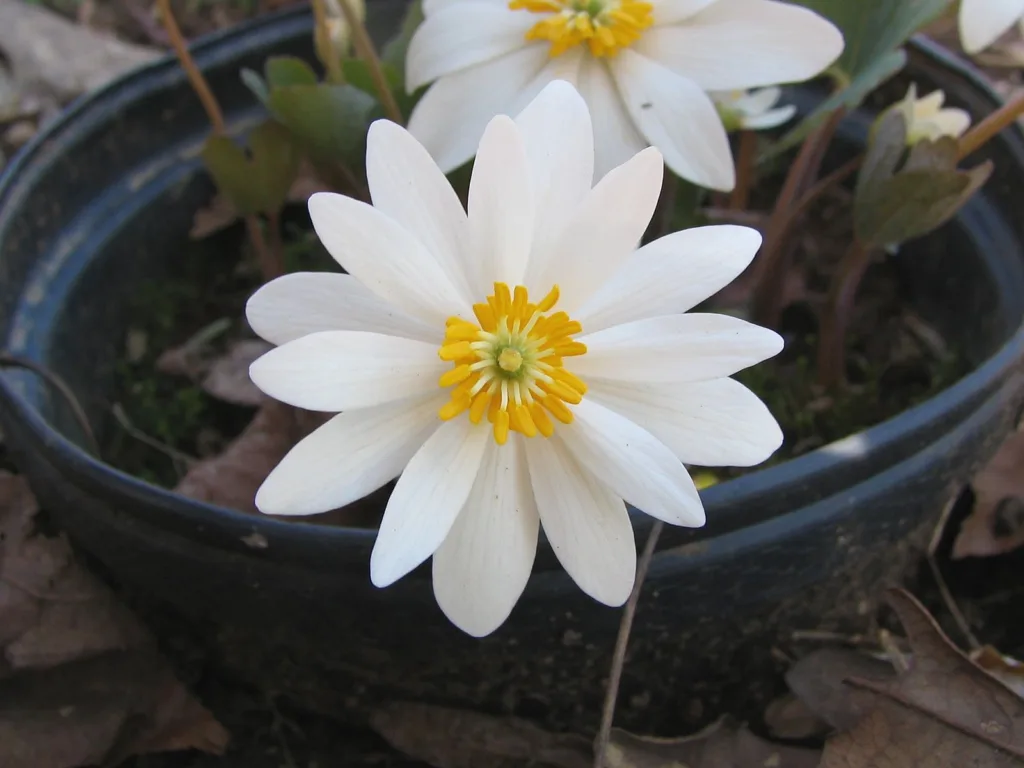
(606, 26)
(508, 365)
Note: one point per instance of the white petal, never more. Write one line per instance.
(756, 102)
(483, 565)
(385, 258)
(745, 44)
(671, 274)
(406, 184)
(501, 208)
(770, 119)
(585, 523)
(675, 11)
(463, 35)
(616, 138)
(601, 233)
(675, 115)
(708, 423)
(300, 303)
(427, 498)
(676, 348)
(450, 118)
(633, 463)
(340, 370)
(559, 139)
(983, 21)
(353, 454)
(430, 7)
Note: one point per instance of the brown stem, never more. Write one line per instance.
(776, 254)
(276, 249)
(195, 77)
(667, 202)
(269, 268)
(991, 126)
(619, 656)
(835, 317)
(746, 162)
(366, 50)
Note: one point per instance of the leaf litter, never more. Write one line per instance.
(81, 681)
(996, 523)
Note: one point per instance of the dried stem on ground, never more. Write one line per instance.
(619, 656)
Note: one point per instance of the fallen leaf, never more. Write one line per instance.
(227, 377)
(996, 523)
(454, 738)
(1009, 671)
(944, 712)
(818, 680)
(723, 744)
(80, 680)
(232, 478)
(787, 717)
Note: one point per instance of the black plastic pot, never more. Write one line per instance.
(102, 201)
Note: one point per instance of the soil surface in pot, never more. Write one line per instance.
(187, 417)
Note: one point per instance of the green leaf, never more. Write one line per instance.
(330, 121)
(850, 97)
(395, 50)
(873, 29)
(255, 83)
(256, 181)
(886, 147)
(357, 73)
(282, 71)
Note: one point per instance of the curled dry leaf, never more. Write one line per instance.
(818, 680)
(723, 744)
(787, 717)
(944, 712)
(996, 524)
(80, 680)
(454, 738)
(1007, 670)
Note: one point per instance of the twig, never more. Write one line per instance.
(13, 361)
(746, 163)
(887, 692)
(940, 581)
(368, 52)
(195, 77)
(152, 442)
(773, 263)
(619, 655)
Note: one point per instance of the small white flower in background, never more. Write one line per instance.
(520, 366)
(742, 110)
(982, 22)
(925, 118)
(340, 36)
(644, 69)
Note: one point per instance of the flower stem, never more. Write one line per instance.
(835, 317)
(195, 77)
(746, 162)
(991, 126)
(366, 50)
(268, 265)
(776, 253)
(275, 259)
(619, 655)
(325, 45)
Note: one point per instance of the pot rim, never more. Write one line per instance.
(89, 471)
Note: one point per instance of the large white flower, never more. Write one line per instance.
(643, 67)
(519, 366)
(983, 21)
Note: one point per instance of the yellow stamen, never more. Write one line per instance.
(604, 26)
(509, 365)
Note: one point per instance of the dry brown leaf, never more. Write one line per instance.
(945, 712)
(232, 478)
(996, 524)
(818, 680)
(80, 681)
(1009, 671)
(723, 744)
(227, 378)
(787, 717)
(453, 738)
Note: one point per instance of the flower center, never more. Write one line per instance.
(508, 365)
(606, 26)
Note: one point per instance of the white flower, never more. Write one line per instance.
(458, 345)
(983, 21)
(743, 110)
(926, 119)
(644, 69)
